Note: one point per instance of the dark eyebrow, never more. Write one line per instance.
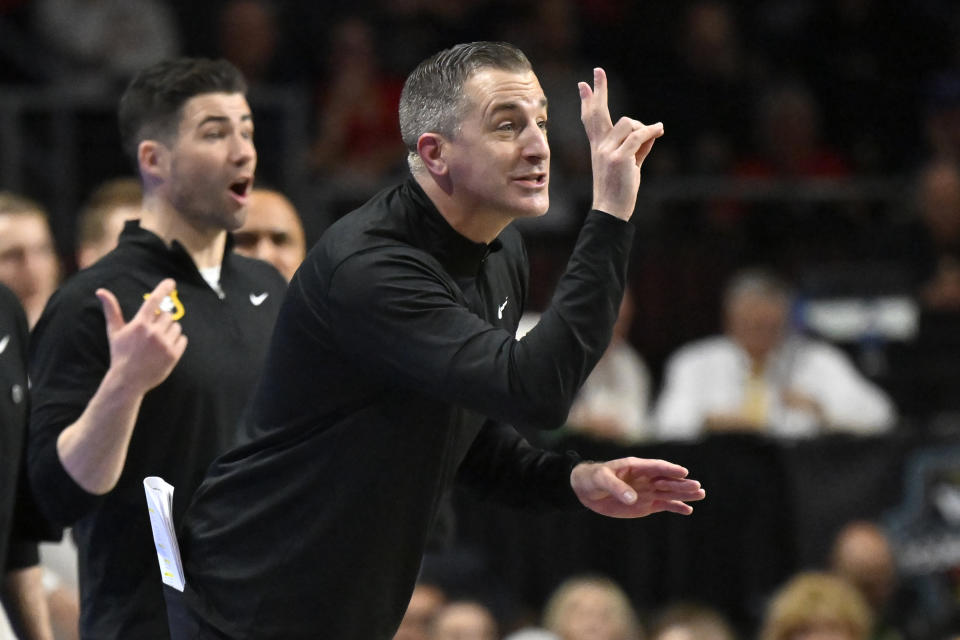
(224, 119)
(510, 106)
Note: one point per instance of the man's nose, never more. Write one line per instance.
(535, 145)
(242, 151)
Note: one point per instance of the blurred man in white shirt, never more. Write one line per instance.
(759, 377)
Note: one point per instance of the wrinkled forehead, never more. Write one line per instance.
(489, 88)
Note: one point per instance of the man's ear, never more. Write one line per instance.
(430, 148)
(152, 157)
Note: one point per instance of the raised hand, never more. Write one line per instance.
(617, 150)
(634, 487)
(148, 347)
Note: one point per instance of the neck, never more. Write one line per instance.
(475, 225)
(205, 245)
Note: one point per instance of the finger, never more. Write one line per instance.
(678, 487)
(151, 306)
(674, 506)
(111, 310)
(180, 346)
(594, 112)
(642, 135)
(651, 467)
(644, 151)
(623, 129)
(686, 494)
(608, 481)
(600, 90)
(173, 332)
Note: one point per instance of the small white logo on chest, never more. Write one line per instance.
(3, 343)
(502, 307)
(257, 299)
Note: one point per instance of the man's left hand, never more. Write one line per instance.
(634, 487)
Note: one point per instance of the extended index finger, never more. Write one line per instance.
(151, 306)
(594, 111)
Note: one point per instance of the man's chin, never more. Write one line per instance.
(235, 219)
(535, 209)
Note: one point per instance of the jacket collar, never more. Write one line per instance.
(430, 231)
(138, 238)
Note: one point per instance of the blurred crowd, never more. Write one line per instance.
(796, 271)
(814, 138)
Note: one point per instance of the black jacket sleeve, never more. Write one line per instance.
(406, 324)
(501, 464)
(69, 355)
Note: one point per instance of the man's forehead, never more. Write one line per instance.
(25, 219)
(18, 228)
(204, 105)
(490, 87)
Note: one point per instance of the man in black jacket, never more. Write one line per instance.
(118, 393)
(21, 587)
(394, 370)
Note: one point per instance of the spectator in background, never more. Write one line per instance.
(427, 599)
(30, 267)
(685, 621)
(613, 402)
(758, 377)
(101, 44)
(591, 608)
(21, 588)
(102, 218)
(817, 606)
(710, 61)
(358, 139)
(930, 242)
(29, 264)
(272, 231)
(846, 53)
(464, 620)
(789, 143)
(942, 115)
(862, 555)
(248, 36)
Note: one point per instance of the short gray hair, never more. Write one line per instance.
(756, 281)
(433, 100)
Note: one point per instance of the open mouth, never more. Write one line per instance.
(241, 187)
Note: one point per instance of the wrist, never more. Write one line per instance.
(121, 383)
(617, 211)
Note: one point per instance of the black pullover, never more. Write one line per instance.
(392, 372)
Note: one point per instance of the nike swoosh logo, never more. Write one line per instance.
(3, 343)
(502, 307)
(257, 299)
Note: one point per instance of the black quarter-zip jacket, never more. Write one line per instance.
(393, 372)
(18, 544)
(182, 425)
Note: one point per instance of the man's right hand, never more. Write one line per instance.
(143, 352)
(147, 348)
(617, 151)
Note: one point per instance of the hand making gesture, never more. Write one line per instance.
(143, 352)
(148, 347)
(617, 150)
(634, 487)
